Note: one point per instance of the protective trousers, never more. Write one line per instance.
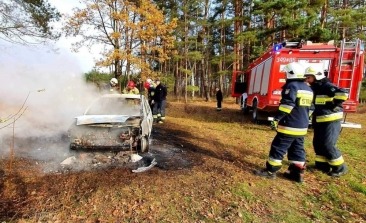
(159, 110)
(282, 144)
(219, 105)
(325, 138)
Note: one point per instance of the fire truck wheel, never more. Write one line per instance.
(245, 107)
(255, 112)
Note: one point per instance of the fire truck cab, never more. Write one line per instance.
(259, 87)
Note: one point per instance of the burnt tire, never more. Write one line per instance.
(143, 145)
(74, 147)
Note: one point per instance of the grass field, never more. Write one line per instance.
(223, 149)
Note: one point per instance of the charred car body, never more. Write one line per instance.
(115, 122)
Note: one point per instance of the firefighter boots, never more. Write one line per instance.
(338, 171)
(295, 172)
(322, 166)
(265, 173)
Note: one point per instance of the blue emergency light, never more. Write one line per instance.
(277, 47)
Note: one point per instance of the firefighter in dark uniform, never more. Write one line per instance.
(159, 101)
(291, 122)
(326, 121)
(150, 86)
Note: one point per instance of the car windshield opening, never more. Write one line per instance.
(115, 106)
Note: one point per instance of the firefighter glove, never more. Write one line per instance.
(337, 109)
(311, 114)
(274, 124)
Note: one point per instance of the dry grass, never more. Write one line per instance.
(224, 147)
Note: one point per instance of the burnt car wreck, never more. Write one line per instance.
(114, 122)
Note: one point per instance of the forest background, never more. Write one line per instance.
(192, 45)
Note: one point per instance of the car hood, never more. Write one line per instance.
(98, 119)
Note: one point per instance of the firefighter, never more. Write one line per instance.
(148, 83)
(113, 86)
(326, 121)
(150, 86)
(131, 88)
(291, 123)
(159, 101)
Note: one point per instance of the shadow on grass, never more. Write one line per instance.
(205, 112)
(179, 138)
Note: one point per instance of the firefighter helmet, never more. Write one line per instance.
(131, 84)
(312, 71)
(114, 81)
(294, 70)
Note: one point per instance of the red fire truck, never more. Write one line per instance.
(259, 87)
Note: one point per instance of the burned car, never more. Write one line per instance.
(115, 122)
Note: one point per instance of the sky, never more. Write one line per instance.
(52, 79)
(84, 58)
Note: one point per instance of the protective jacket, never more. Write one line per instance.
(295, 104)
(328, 101)
(131, 91)
(151, 91)
(160, 93)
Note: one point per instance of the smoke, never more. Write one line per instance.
(49, 84)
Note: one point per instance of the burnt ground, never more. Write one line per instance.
(40, 159)
(52, 154)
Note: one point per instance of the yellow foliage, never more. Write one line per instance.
(141, 29)
(115, 35)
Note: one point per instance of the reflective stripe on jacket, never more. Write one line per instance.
(293, 112)
(131, 91)
(328, 100)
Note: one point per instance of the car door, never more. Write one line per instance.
(148, 115)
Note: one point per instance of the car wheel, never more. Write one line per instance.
(143, 145)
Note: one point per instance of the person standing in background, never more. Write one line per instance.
(131, 88)
(150, 87)
(112, 87)
(159, 102)
(219, 99)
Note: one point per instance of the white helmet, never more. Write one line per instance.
(314, 72)
(114, 81)
(294, 70)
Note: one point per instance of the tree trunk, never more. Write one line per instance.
(323, 16)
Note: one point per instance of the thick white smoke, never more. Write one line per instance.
(55, 85)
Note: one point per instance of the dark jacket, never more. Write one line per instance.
(219, 95)
(151, 92)
(160, 93)
(328, 100)
(293, 112)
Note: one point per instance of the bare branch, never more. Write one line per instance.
(21, 108)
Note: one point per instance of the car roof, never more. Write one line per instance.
(113, 97)
(132, 96)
